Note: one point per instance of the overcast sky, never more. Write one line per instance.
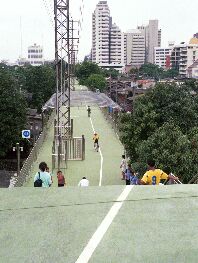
(29, 22)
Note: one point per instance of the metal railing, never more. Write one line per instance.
(72, 149)
(27, 166)
(75, 149)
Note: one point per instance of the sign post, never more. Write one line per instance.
(26, 134)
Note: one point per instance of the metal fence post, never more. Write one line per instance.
(83, 147)
(72, 123)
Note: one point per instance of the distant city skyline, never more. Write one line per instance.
(29, 22)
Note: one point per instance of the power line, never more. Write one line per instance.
(80, 23)
(49, 12)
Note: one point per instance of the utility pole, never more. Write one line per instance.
(110, 86)
(117, 89)
(64, 57)
(133, 84)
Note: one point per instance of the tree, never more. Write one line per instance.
(96, 81)
(156, 72)
(170, 73)
(151, 70)
(171, 150)
(40, 81)
(84, 70)
(164, 127)
(113, 73)
(167, 102)
(13, 109)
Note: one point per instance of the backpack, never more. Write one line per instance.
(38, 182)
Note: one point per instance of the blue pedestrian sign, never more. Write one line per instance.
(26, 134)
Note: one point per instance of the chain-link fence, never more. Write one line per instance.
(27, 166)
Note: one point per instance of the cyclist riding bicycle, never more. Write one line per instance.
(89, 111)
(96, 140)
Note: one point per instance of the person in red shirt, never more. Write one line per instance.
(61, 179)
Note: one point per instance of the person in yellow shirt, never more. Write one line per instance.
(96, 141)
(153, 176)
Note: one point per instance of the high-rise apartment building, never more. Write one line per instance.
(112, 48)
(100, 33)
(154, 36)
(35, 55)
(134, 48)
(152, 39)
(116, 41)
(107, 39)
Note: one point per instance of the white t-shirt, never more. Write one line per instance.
(83, 183)
(123, 165)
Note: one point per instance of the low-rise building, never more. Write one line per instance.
(184, 55)
(163, 55)
(192, 71)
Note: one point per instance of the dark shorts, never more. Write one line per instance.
(60, 185)
(127, 182)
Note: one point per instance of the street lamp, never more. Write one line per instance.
(18, 149)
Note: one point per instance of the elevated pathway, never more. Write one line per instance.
(82, 96)
(99, 224)
(101, 168)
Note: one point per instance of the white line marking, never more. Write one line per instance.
(101, 156)
(103, 227)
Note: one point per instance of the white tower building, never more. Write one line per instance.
(116, 45)
(35, 55)
(107, 39)
(100, 33)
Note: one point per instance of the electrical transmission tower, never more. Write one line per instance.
(64, 59)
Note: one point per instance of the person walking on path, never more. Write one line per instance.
(89, 111)
(43, 176)
(83, 182)
(47, 170)
(61, 179)
(128, 174)
(123, 166)
(96, 141)
(153, 176)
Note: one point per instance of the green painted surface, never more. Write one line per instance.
(111, 149)
(50, 225)
(155, 224)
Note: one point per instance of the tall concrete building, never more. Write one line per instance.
(163, 55)
(134, 48)
(154, 36)
(107, 39)
(152, 39)
(35, 55)
(100, 33)
(116, 39)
